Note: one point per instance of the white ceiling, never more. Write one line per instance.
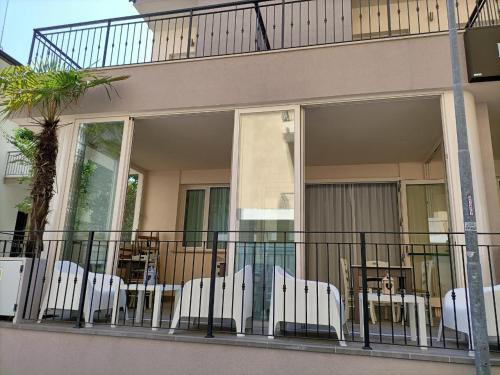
(195, 141)
(372, 132)
(354, 133)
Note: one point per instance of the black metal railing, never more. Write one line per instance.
(235, 28)
(17, 165)
(399, 288)
(485, 14)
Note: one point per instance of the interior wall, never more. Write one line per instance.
(161, 202)
(161, 192)
(404, 171)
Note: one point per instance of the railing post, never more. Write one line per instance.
(85, 279)
(106, 44)
(282, 23)
(364, 286)
(389, 18)
(189, 33)
(211, 299)
(30, 58)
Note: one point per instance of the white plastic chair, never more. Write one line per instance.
(461, 309)
(62, 293)
(294, 305)
(231, 302)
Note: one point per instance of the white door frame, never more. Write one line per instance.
(138, 201)
(123, 165)
(404, 203)
(298, 180)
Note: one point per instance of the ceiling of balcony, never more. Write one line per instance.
(372, 132)
(341, 134)
(194, 141)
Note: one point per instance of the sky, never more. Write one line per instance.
(25, 15)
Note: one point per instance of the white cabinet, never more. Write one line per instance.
(16, 274)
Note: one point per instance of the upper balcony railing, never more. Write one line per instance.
(17, 165)
(238, 27)
(486, 13)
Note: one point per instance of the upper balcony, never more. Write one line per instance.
(244, 27)
(17, 165)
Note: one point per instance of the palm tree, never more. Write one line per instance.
(44, 93)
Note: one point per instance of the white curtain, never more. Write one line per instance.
(344, 209)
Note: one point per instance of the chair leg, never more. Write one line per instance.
(440, 331)
(43, 309)
(373, 316)
(240, 326)
(175, 320)
(89, 318)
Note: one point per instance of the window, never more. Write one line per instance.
(205, 209)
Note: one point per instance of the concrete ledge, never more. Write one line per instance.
(141, 348)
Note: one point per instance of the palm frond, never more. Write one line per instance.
(47, 89)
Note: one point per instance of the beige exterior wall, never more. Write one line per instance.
(365, 69)
(82, 354)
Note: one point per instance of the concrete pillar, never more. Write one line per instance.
(481, 173)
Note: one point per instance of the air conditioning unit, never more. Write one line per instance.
(21, 282)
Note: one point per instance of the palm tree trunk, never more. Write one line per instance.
(42, 190)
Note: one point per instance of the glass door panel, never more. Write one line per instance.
(92, 191)
(266, 197)
(427, 210)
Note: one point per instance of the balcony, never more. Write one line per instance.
(327, 286)
(241, 27)
(17, 166)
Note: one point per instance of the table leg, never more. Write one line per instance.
(422, 329)
(139, 307)
(157, 309)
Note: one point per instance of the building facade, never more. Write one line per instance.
(299, 138)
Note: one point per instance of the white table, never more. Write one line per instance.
(409, 300)
(158, 290)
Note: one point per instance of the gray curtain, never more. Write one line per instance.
(218, 214)
(193, 217)
(335, 211)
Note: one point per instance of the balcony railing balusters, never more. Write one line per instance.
(17, 165)
(261, 282)
(241, 27)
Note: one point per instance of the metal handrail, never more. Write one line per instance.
(476, 15)
(164, 13)
(229, 28)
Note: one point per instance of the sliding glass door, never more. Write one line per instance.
(92, 199)
(427, 220)
(266, 200)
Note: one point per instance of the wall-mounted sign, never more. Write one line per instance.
(482, 49)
